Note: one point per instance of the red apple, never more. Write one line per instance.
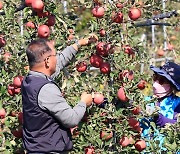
(20, 117)
(43, 31)
(133, 123)
(37, 5)
(117, 17)
(17, 81)
(123, 74)
(124, 141)
(41, 14)
(98, 11)
(11, 89)
(134, 13)
(90, 150)
(51, 20)
(2, 113)
(138, 129)
(109, 48)
(2, 41)
(98, 98)
(126, 74)
(102, 32)
(96, 60)
(1, 5)
(30, 24)
(131, 75)
(128, 50)
(81, 66)
(28, 2)
(104, 135)
(136, 110)
(102, 49)
(121, 95)
(46, 14)
(142, 84)
(17, 90)
(17, 132)
(140, 145)
(105, 68)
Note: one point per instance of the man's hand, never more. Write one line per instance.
(92, 38)
(86, 98)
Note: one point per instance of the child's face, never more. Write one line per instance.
(161, 79)
(161, 86)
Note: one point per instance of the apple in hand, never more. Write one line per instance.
(98, 98)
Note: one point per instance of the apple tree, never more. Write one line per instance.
(111, 69)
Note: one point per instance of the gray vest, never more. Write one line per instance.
(41, 131)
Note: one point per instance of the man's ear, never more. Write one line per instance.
(47, 63)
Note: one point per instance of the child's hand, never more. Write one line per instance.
(152, 111)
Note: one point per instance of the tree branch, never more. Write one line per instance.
(21, 7)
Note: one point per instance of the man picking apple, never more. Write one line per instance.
(47, 117)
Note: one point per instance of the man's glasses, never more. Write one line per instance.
(159, 78)
(49, 56)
